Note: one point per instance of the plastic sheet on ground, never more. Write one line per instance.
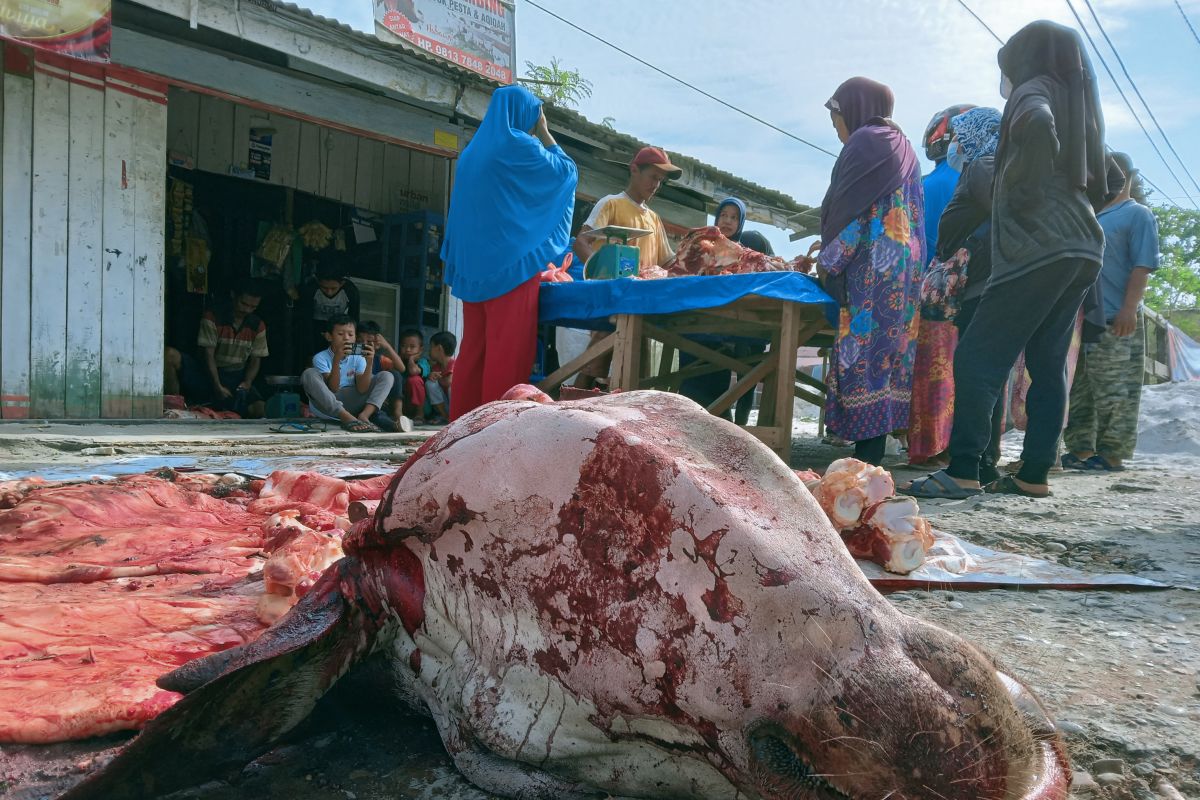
(250, 467)
(589, 304)
(955, 564)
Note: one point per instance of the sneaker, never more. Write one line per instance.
(404, 424)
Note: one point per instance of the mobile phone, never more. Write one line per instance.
(356, 350)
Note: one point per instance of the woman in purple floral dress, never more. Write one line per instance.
(873, 253)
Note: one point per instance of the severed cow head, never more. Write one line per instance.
(627, 595)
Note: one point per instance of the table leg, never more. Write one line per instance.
(627, 354)
(785, 387)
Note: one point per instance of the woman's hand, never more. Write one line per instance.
(542, 130)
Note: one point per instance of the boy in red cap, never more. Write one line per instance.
(648, 171)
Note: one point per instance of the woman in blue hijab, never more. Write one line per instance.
(731, 219)
(510, 214)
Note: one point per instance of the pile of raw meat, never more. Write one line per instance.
(706, 251)
(104, 586)
(874, 524)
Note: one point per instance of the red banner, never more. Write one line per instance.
(79, 28)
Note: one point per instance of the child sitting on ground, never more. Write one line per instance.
(437, 386)
(340, 386)
(411, 369)
(386, 360)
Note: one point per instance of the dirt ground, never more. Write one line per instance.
(1118, 671)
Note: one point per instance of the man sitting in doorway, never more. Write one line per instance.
(340, 385)
(648, 171)
(233, 341)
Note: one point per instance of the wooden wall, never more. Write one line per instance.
(82, 166)
(215, 134)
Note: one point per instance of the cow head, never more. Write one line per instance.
(631, 596)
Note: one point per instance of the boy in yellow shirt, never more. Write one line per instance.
(648, 171)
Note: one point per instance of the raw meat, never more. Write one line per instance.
(106, 586)
(98, 531)
(893, 534)
(80, 660)
(298, 556)
(857, 498)
(523, 391)
(706, 251)
(849, 487)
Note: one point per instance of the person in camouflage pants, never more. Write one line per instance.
(1106, 396)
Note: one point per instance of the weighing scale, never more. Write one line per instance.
(616, 258)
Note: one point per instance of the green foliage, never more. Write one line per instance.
(556, 84)
(1176, 283)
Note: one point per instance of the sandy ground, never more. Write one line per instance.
(1119, 671)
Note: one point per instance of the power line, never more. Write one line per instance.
(1138, 92)
(1154, 186)
(693, 87)
(981, 22)
(1183, 14)
(1128, 104)
(1119, 90)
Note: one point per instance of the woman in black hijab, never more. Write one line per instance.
(1046, 252)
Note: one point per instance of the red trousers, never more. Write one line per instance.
(414, 393)
(498, 347)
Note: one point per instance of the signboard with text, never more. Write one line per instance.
(79, 28)
(474, 34)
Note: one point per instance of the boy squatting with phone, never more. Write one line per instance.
(343, 388)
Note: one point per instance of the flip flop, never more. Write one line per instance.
(938, 486)
(298, 426)
(1008, 485)
(1072, 461)
(360, 426)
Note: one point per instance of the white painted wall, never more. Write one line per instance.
(81, 278)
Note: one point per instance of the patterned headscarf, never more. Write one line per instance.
(978, 132)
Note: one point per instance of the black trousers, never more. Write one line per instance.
(1035, 313)
(991, 455)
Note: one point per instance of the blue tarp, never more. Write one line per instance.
(589, 304)
(1184, 355)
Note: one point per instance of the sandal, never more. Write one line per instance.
(938, 486)
(1008, 485)
(360, 426)
(1072, 461)
(1102, 464)
(298, 426)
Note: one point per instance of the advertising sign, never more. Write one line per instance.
(80, 28)
(474, 34)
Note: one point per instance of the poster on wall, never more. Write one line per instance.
(79, 28)
(259, 160)
(474, 34)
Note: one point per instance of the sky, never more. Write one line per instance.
(782, 60)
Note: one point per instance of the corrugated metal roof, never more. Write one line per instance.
(622, 144)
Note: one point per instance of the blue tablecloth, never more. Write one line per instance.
(589, 304)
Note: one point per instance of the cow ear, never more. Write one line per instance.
(241, 701)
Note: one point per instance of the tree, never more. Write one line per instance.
(557, 85)
(1175, 284)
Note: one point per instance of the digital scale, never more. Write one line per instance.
(616, 258)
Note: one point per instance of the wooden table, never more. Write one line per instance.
(787, 325)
